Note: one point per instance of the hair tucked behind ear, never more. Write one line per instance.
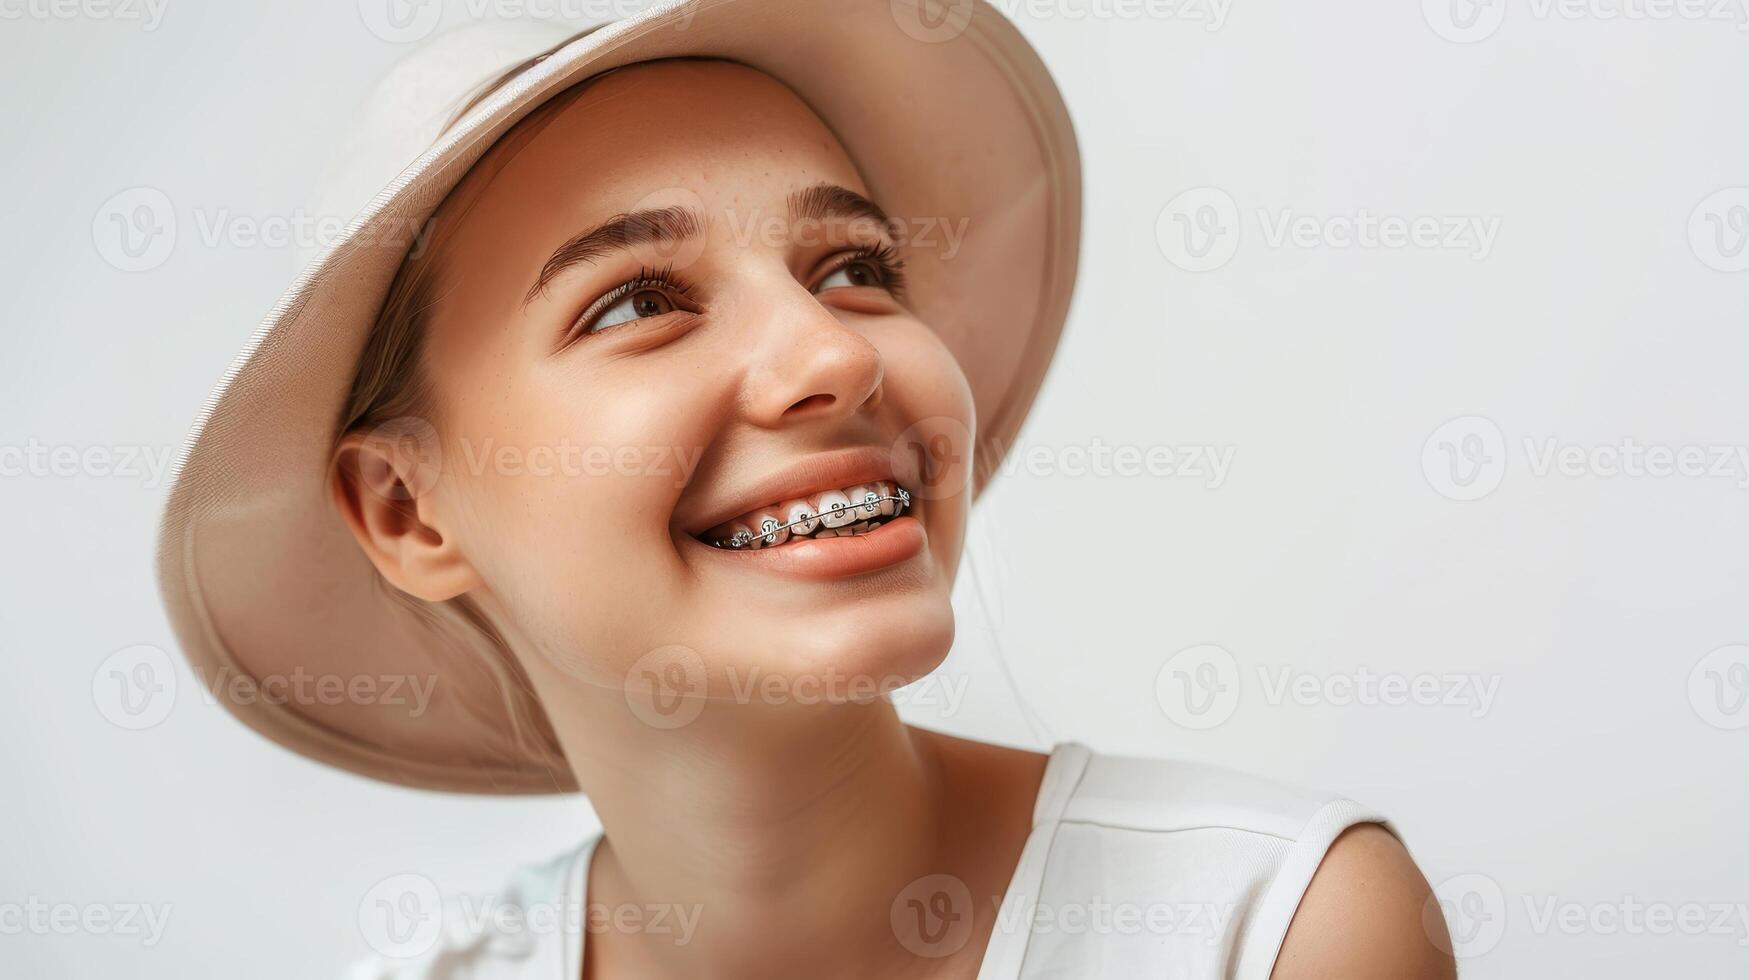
(390, 384)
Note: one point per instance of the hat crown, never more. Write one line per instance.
(405, 112)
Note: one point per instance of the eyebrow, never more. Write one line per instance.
(821, 202)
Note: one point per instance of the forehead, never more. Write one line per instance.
(728, 133)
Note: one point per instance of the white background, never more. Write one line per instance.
(1597, 777)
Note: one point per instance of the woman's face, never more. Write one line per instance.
(737, 349)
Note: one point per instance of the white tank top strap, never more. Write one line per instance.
(1007, 949)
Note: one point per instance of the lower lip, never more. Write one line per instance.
(898, 540)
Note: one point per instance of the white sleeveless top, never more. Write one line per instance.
(1136, 868)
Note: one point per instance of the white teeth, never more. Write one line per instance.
(835, 509)
(887, 507)
(866, 497)
(832, 514)
(801, 510)
(768, 525)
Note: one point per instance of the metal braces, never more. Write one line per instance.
(768, 532)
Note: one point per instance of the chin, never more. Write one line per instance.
(877, 643)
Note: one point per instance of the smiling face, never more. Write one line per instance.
(667, 310)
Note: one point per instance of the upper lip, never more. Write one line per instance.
(827, 471)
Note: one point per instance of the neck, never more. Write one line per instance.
(782, 835)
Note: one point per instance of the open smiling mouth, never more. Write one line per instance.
(844, 513)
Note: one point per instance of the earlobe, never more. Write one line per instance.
(385, 495)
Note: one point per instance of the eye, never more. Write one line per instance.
(876, 266)
(638, 305)
(652, 293)
(860, 272)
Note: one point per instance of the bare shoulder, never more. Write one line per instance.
(1368, 914)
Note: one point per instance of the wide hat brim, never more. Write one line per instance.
(945, 110)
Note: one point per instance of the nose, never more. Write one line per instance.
(809, 365)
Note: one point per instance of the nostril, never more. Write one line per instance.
(812, 402)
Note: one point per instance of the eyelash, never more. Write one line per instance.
(889, 269)
(665, 279)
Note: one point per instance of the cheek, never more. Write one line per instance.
(933, 455)
(564, 497)
(933, 401)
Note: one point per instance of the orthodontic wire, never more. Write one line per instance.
(742, 539)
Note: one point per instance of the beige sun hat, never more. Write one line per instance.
(945, 110)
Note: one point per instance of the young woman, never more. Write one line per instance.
(637, 422)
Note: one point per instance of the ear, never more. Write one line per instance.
(382, 481)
